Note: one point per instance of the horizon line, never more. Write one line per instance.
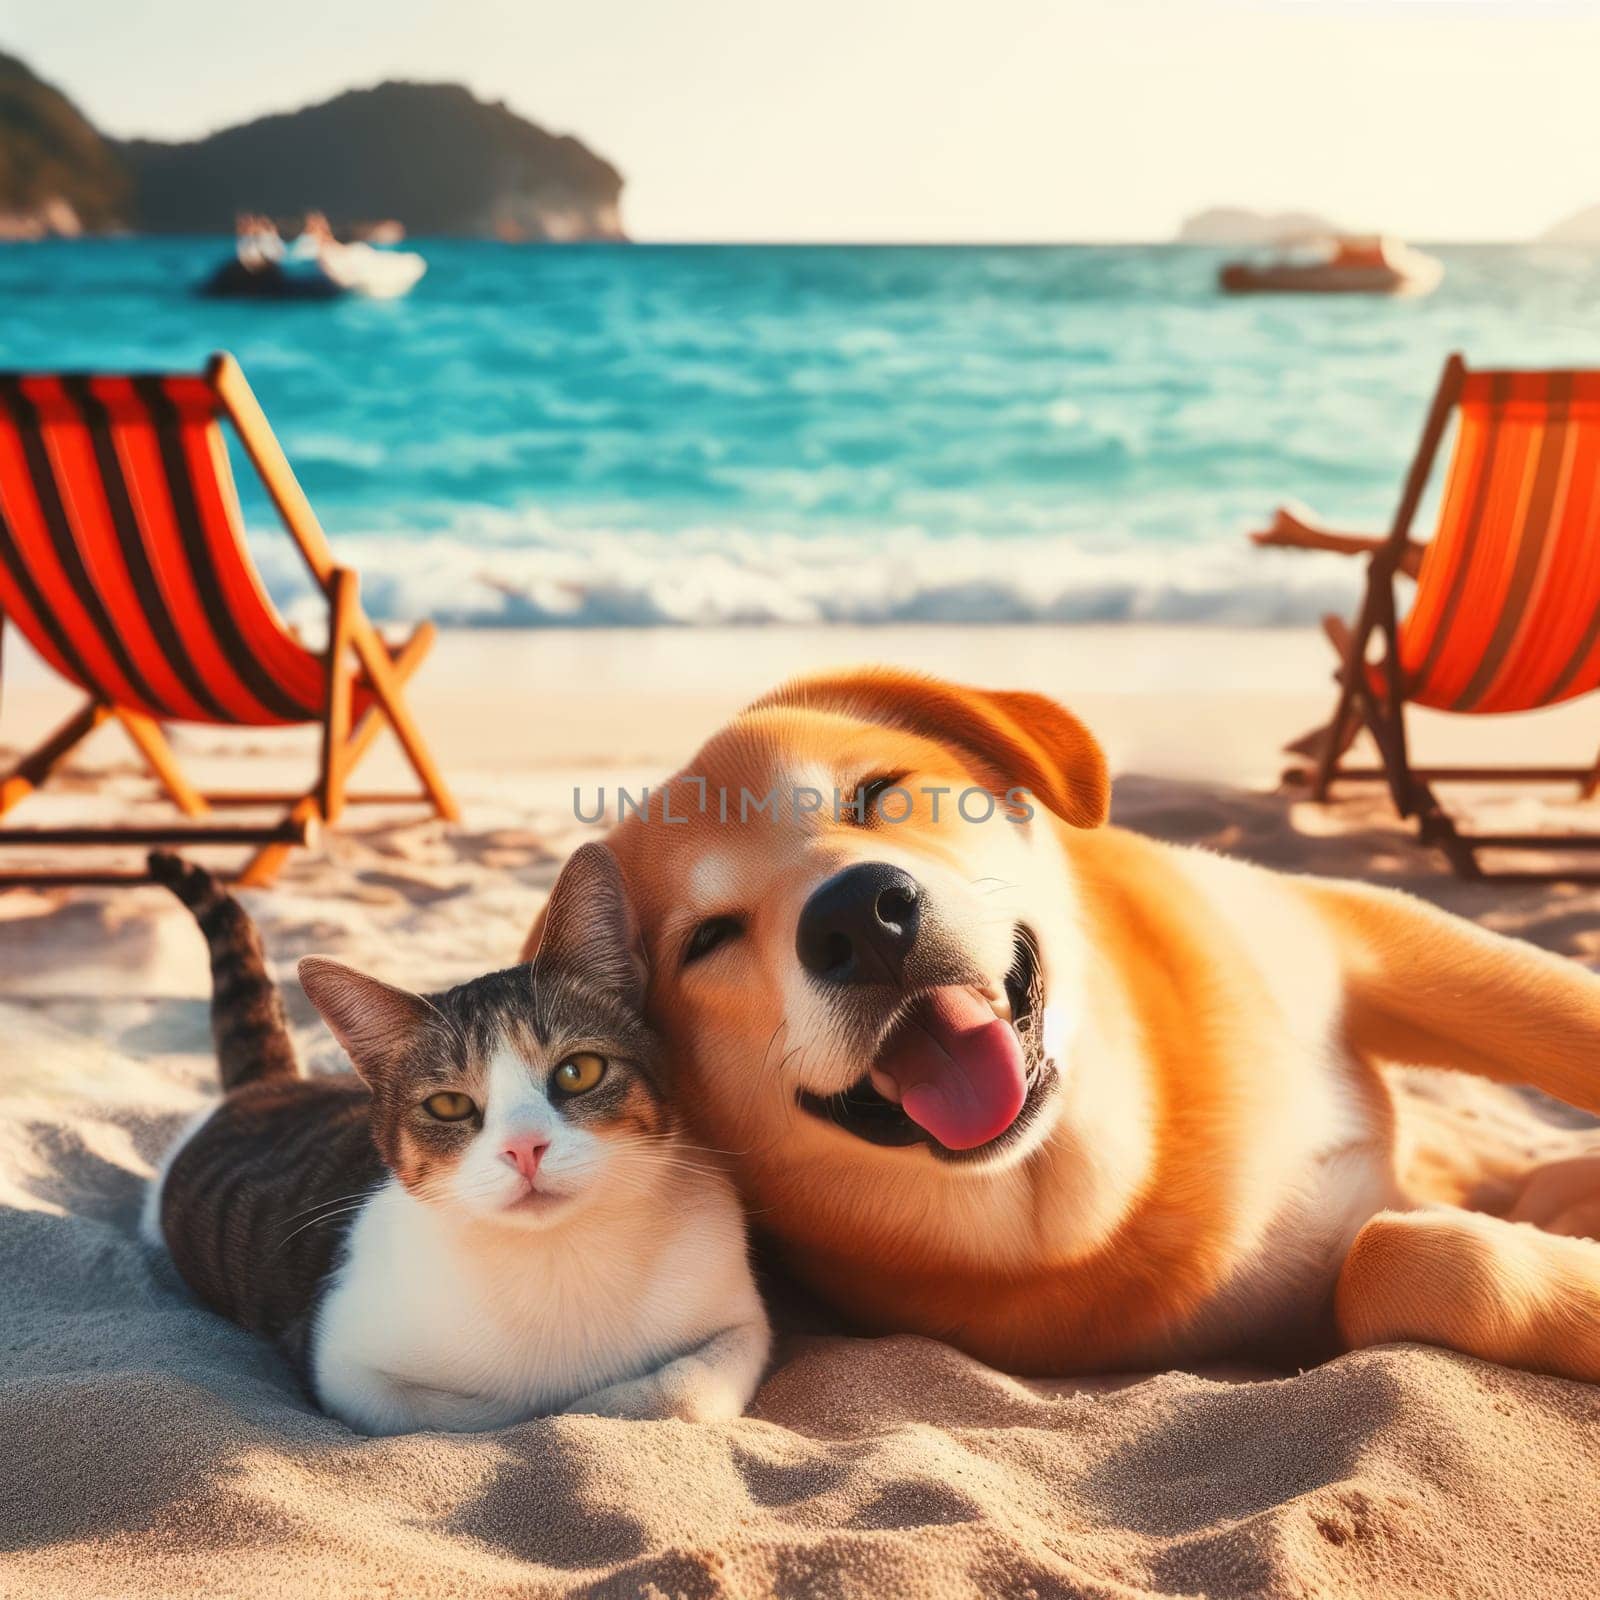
(846, 243)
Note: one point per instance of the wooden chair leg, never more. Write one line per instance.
(1436, 827)
(1315, 744)
(381, 676)
(152, 745)
(1590, 785)
(267, 863)
(38, 764)
(1346, 720)
(262, 869)
(342, 592)
(1391, 752)
(1408, 799)
(1414, 796)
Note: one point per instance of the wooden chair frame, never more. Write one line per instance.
(355, 651)
(1380, 707)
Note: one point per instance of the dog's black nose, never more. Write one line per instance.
(859, 927)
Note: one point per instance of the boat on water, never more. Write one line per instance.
(315, 266)
(1345, 265)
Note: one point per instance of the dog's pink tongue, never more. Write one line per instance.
(960, 1072)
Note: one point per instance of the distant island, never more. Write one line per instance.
(57, 175)
(1237, 225)
(1582, 227)
(429, 156)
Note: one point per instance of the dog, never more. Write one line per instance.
(1070, 1099)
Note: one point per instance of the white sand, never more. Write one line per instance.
(150, 1448)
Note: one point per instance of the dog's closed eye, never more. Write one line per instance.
(864, 803)
(711, 933)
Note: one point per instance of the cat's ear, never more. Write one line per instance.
(377, 1023)
(589, 925)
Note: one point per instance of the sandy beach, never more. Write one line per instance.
(152, 1449)
(1202, 702)
(616, 366)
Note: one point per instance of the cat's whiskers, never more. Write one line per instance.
(453, 1187)
(682, 1144)
(328, 1216)
(334, 1200)
(662, 1152)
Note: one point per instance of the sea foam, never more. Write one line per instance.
(611, 578)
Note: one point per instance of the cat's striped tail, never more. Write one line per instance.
(247, 1019)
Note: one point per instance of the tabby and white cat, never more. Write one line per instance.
(499, 1222)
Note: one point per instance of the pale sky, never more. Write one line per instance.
(925, 119)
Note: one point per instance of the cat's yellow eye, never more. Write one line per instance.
(580, 1073)
(448, 1106)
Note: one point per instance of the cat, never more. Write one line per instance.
(497, 1219)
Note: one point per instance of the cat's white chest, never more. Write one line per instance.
(417, 1330)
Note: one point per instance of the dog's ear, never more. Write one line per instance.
(1016, 738)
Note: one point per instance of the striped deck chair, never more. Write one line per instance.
(123, 563)
(1506, 613)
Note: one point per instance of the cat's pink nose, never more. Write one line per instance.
(525, 1154)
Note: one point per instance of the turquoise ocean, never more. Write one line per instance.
(586, 435)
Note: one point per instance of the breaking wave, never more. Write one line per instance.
(710, 577)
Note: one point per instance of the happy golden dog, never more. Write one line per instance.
(1069, 1098)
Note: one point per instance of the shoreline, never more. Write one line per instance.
(1185, 701)
(1193, 702)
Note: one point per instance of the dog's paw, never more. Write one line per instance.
(1562, 1197)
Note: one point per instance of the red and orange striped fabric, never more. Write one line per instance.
(1506, 615)
(122, 553)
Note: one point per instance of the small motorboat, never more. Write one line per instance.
(238, 279)
(314, 267)
(1345, 265)
(378, 273)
